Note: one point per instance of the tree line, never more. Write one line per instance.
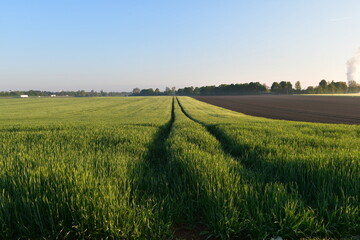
(225, 89)
(325, 87)
(283, 87)
(79, 93)
(152, 92)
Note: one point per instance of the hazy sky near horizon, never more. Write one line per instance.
(120, 45)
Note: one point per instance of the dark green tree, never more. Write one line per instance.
(275, 87)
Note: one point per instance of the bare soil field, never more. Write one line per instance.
(325, 109)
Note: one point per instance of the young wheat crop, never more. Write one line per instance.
(145, 167)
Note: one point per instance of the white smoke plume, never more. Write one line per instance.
(353, 65)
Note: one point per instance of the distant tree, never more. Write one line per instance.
(323, 86)
(328, 87)
(136, 91)
(283, 86)
(188, 91)
(167, 91)
(92, 93)
(208, 90)
(196, 91)
(310, 90)
(298, 86)
(323, 83)
(288, 88)
(102, 93)
(275, 87)
(255, 87)
(353, 87)
(157, 91)
(147, 92)
(331, 88)
(173, 90)
(180, 91)
(341, 87)
(81, 93)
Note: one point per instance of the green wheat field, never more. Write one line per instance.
(145, 167)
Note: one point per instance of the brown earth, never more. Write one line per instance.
(325, 109)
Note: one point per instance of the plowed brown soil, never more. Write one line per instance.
(325, 109)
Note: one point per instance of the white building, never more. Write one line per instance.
(24, 96)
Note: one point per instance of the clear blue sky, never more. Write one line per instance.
(120, 45)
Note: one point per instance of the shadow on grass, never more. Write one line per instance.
(166, 187)
(326, 190)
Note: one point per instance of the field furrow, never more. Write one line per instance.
(317, 161)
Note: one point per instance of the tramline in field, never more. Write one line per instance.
(163, 167)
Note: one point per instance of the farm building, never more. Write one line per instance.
(24, 96)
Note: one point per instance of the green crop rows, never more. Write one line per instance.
(163, 168)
